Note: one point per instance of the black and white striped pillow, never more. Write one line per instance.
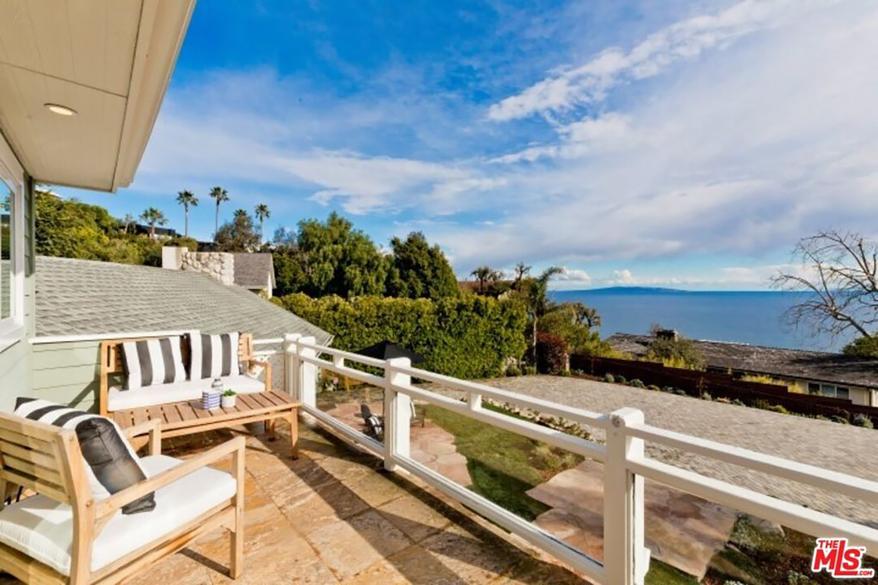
(213, 356)
(112, 465)
(153, 361)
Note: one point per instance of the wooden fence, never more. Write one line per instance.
(721, 385)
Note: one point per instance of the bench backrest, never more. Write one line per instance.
(43, 458)
(111, 360)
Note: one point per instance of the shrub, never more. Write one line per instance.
(861, 420)
(839, 419)
(862, 347)
(551, 353)
(465, 337)
(653, 387)
(637, 383)
(513, 371)
(738, 402)
(621, 380)
(608, 378)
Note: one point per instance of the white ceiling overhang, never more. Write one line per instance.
(109, 60)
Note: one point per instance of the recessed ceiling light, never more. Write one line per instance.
(60, 110)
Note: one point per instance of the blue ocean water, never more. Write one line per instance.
(755, 317)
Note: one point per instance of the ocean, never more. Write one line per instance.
(755, 317)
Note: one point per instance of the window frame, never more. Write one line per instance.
(12, 329)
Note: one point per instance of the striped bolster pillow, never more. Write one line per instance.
(153, 361)
(111, 463)
(213, 356)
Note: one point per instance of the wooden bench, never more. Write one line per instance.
(111, 364)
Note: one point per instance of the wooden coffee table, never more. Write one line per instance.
(185, 418)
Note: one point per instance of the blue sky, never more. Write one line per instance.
(674, 143)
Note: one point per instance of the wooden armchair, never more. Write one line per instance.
(42, 541)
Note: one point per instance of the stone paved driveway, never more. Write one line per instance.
(825, 444)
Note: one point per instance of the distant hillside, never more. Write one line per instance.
(623, 290)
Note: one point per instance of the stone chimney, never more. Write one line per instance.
(218, 265)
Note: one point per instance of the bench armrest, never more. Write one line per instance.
(153, 428)
(251, 361)
(234, 447)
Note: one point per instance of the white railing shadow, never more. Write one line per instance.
(626, 558)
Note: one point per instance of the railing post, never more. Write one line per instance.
(626, 559)
(474, 401)
(307, 379)
(397, 413)
(291, 365)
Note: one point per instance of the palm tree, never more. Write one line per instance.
(187, 199)
(219, 195)
(239, 213)
(538, 301)
(485, 274)
(262, 213)
(153, 217)
(521, 270)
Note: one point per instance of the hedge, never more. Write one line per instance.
(465, 337)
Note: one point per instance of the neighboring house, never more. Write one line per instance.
(161, 233)
(809, 372)
(255, 272)
(81, 302)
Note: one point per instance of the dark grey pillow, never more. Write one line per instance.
(112, 462)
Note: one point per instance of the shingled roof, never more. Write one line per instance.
(84, 297)
(254, 270)
(816, 366)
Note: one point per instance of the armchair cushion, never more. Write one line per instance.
(119, 399)
(43, 529)
(111, 463)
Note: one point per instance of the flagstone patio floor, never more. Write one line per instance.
(333, 516)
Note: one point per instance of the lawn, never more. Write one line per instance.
(503, 465)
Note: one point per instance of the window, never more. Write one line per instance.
(830, 390)
(11, 248)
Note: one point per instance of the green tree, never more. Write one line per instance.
(866, 347)
(418, 270)
(220, 196)
(575, 324)
(338, 259)
(152, 217)
(239, 235)
(262, 213)
(536, 297)
(485, 275)
(188, 200)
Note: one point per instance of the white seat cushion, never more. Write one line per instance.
(42, 528)
(118, 399)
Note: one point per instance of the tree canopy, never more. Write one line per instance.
(72, 229)
(238, 235)
(418, 270)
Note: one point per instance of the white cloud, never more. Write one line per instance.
(622, 277)
(683, 40)
(573, 275)
(741, 152)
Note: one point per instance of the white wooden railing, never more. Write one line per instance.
(626, 559)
